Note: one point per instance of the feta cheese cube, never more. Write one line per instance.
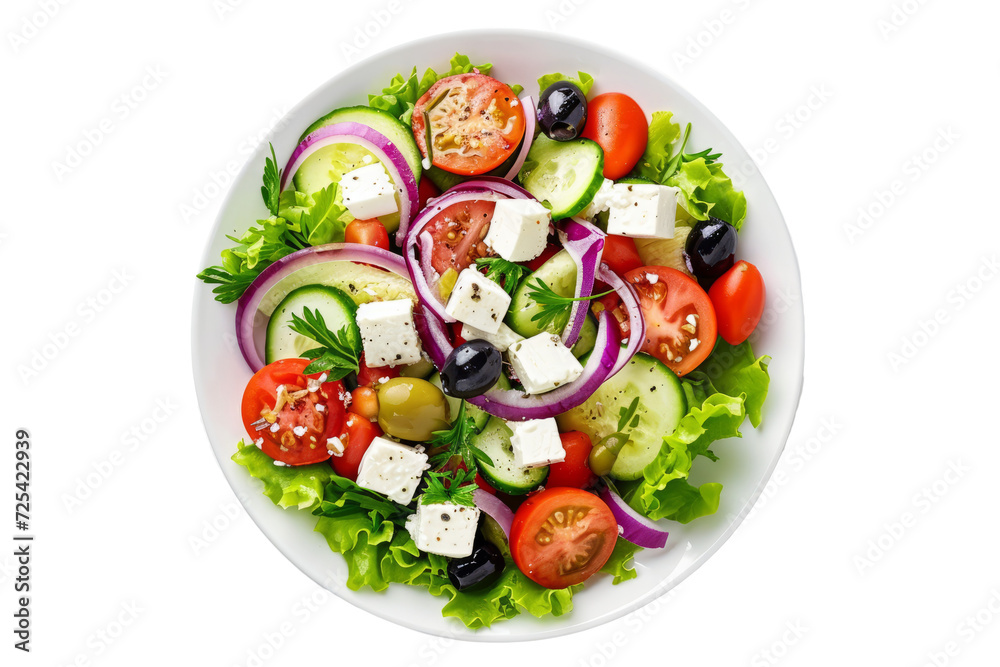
(369, 192)
(643, 211)
(478, 301)
(388, 334)
(543, 363)
(392, 469)
(536, 443)
(445, 529)
(601, 201)
(501, 340)
(519, 229)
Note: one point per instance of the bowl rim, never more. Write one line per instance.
(555, 628)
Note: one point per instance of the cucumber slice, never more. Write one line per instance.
(559, 273)
(588, 336)
(636, 181)
(329, 164)
(479, 416)
(566, 174)
(504, 476)
(336, 308)
(661, 407)
(382, 122)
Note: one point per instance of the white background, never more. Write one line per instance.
(867, 548)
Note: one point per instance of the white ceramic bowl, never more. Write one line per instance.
(745, 464)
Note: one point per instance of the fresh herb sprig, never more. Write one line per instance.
(552, 305)
(502, 272)
(342, 497)
(270, 191)
(627, 416)
(457, 442)
(680, 157)
(338, 354)
(450, 486)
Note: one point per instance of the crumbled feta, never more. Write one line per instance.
(652, 278)
(388, 334)
(478, 301)
(258, 442)
(392, 469)
(601, 200)
(299, 431)
(643, 211)
(536, 443)
(543, 363)
(501, 340)
(445, 529)
(519, 229)
(335, 447)
(275, 427)
(369, 192)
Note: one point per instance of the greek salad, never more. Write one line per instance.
(491, 333)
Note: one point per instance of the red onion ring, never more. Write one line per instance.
(529, 136)
(634, 527)
(584, 243)
(637, 326)
(390, 157)
(495, 508)
(246, 312)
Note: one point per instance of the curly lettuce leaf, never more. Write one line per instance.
(709, 191)
(401, 95)
(731, 384)
(621, 564)
(663, 133)
(300, 487)
(582, 80)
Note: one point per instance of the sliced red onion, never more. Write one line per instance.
(634, 527)
(584, 243)
(390, 157)
(246, 312)
(637, 326)
(495, 508)
(425, 279)
(529, 136)
(515, 405)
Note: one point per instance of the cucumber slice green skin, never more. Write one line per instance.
(559, 273)
(588, 337)
(660, 409)
(566, 174)
(338, 311)
(494, 441)
(382, 122)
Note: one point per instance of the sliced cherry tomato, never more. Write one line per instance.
(613, 304)
(355, 437)
(680, 320)
(426, 190)
(456, 333)
(476, 123)
(738, 297)
(620, 254)
(458, 232)
(574, 471)
(484, 485)
(372, 377)
(302, 429)
(550, 249)
(561, 536)
(367, 232)
(616, 122)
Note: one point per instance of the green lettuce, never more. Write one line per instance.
(317, 219)
(582, 80)
(300, 487)
(401, 95)
(733, 385)
(663, 132)
(621, 564)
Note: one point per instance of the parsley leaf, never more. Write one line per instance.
(675, 161)
(504, 273)
(627, 416)
(451, 486)
(338, 352)
(553, 305)
(270, 191)
(457, 442)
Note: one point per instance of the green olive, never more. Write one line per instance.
(411, 409)
(421, 369)
(605, 453)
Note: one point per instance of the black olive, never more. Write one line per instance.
(480, 569)
(471, 369)
(710, 250)
(562, 111)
